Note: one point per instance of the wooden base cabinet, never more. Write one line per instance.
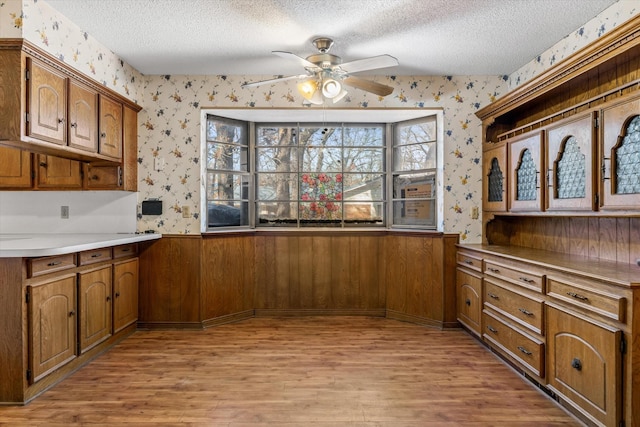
(125, 294)
(585, 364)
(469, 291)
(95, 307)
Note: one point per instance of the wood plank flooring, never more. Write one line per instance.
(299, 371)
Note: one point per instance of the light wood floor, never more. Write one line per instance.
(309, 371)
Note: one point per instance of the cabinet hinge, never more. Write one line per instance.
(27, 75)
(27, 297)
(26, 117)
(28, 374)
(623, 345)
(596, 123)
(597, 198)
(621, 424)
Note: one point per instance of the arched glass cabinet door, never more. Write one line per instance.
(494, 178)
(526, 165)
(619, 173)
(570, 169)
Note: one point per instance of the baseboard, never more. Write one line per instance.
(229, 318)
(170, 325)
(275, 312)
(396, 315)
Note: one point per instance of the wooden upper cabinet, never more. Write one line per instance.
(620, 155)
(110, 128)
(525, 166)
(15, 168)
(494, 178)
(570, 161)
(55, 173)
(83, 117)
(47, 103)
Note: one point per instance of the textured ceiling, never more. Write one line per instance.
(236, 37)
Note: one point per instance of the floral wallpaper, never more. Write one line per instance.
(170, 122)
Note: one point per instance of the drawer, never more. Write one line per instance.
(125, 250)
(468, 260)
(469, 300)
(96, 255)
(517, 307)
(520, 276)
(524, 349)
(600, 302)
(51, 264)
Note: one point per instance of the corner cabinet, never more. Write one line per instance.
(50, 109)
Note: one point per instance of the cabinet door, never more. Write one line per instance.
(525, 165)
(83, 117)
(95, 307)
(570, 161)
(110, 128)
(469, 290)
(15, 168)
(494, 179)
(585, 364)
(620, 156)
(103, 177)
(125, 294)
(58, 173)
(52, 325)
(46, 103)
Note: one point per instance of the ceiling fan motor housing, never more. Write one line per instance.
(323, 44)
(325, 60)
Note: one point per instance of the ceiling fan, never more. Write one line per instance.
(327, 75)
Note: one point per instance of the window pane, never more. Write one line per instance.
(320, 136)
(321, 159)
(227, 186)
(407, 212)
(226, 157)
(277, 159)
(414, 157)
(277, 186)
(227, 214)
(417, 132)
(320, 211)
(224, 131)
(275, 136)
(363, 159)
(277, 213)
(416, 204)
(365, 187)
(363, 212)
(321, 187)
(356, 136)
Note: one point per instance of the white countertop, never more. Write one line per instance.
(37, 245)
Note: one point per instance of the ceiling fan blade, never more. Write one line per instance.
(375, 62)
(279, 79)
(368, 85)
(303, 62)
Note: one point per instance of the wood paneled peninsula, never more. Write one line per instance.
(64, 299)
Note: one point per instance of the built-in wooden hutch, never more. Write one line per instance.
(555, 286)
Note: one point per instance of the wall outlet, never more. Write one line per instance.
(475, 212)
(64, 212)
(186, 212)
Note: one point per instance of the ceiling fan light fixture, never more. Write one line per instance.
(331, 88)
(309, 89)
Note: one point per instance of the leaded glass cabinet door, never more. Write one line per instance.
(525, 167)
(570, 168)
(620, 156)
(494, 178)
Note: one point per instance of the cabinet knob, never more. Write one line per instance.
(72, 313)
(43, 164)
(60, 120)
(468, 302)
(576, 364)
(108, 298)
(73, 125)
(117, 294)
(103, 135)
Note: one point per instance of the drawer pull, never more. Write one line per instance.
(576, 364)
(54, 263)
(493, 270)
(468, 261)
(96, 255)
(527, 280)
(524, 350)
(578, 296)
(494, 296)
(492, 329)
(525, 311)
(468, 302)
(126, 250)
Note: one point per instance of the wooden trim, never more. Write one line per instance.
(619, 40)
(397, 315)
(266, 312)
(229, 318)
(169, 325)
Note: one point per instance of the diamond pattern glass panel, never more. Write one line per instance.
(571, 177)
(627, 157)
(527, 178)
(495, 182)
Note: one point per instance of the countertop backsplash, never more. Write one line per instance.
(89, 212)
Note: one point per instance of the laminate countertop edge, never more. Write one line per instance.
(38, 245)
